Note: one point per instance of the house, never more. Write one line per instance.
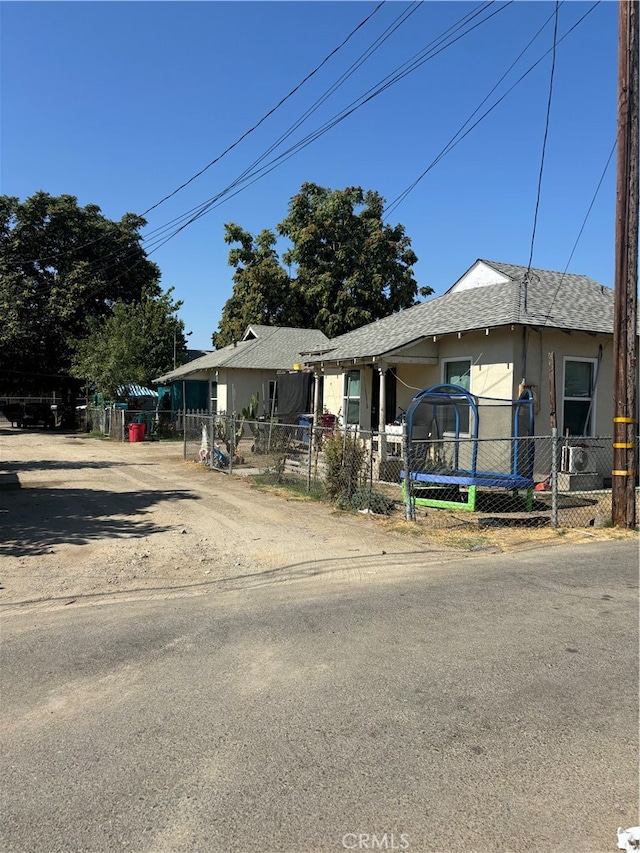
(490, 333)
(262, 364)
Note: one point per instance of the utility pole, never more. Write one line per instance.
(625, 380)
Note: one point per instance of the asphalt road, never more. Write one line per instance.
(486, 704)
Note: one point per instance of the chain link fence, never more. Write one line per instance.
(533, 481)
(107, 421)
(261, 448)
(125, 424)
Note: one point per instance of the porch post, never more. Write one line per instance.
(317, 422)
(382, 416)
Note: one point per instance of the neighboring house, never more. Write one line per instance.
(193, 354)
(262, 363)
(491, 332)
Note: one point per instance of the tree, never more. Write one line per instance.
(135, 344)
(62, 268)
(350, 267)
(261, 289)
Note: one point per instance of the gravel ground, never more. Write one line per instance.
(83, 518)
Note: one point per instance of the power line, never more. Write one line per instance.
(248, 177)
(163, 234)
(269, 113)
(247, 173)
(453, 142)
(373, 92)
(544, 148)
(234, 144)
(582, 227)
(401, 19)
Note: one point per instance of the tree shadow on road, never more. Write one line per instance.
(33, 521)
(29, 465)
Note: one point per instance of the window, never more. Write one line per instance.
(351, 401)
(578, 397)
(457, 372)
(214, 398)
(273, 396)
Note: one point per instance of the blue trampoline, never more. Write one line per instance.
(458, 443)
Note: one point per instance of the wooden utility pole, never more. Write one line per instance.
(625, 380)
(552, 390)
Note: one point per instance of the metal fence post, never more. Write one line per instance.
(370, 489)
(232, 443)
(554, 476)
(312, 440)
(411, 510)
(210, 440)
(184, 422)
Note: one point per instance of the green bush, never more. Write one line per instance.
(345, 459)
(365, 498)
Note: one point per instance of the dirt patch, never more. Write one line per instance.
(84, 519)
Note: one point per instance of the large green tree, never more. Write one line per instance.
(261, 287)
(348, 266)
(137, 342)
(62, 268)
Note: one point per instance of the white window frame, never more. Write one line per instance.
(445, 362)
(347, 398)
(592, 399)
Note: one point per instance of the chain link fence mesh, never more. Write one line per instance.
(569, 486)
(569, 483)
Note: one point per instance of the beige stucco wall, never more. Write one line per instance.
(236, 386)
(500, 360)
(575, 345)
(332, 391)
(491, 366)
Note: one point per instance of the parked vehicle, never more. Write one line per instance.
(25, 415)
(38, 414)
(13, 412)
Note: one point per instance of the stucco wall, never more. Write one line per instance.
(332, 391)
(240, 385)
(235, 387)
(575, 345)
(500, 360)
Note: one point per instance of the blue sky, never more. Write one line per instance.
(120, 103)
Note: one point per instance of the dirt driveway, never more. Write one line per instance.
(83, 520)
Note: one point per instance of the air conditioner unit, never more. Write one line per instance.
(576, 460)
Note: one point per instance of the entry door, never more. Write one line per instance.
(390, 401)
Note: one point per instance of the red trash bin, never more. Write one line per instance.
(137, 432)
(328, 423)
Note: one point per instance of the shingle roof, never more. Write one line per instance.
(553, 299)
(272, 348)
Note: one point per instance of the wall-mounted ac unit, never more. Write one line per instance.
(577, 460)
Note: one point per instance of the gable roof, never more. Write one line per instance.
(551, 299)
(261, 348)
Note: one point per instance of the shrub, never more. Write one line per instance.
(366, 498)
(345, 459)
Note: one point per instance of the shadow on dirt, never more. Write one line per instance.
(57, 465)
(33, 521)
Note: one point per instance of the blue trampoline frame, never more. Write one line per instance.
(521, 475)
